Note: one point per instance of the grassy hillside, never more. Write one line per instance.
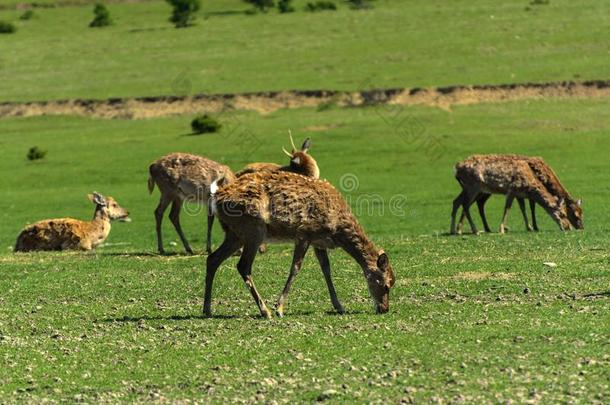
(472, 318)
(396, 44)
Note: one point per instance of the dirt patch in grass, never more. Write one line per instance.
(267, 102)
(320, 128)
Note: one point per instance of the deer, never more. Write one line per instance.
(281, 206)
(184, 177)
(300, 162)
(518, 177)
(73, 234)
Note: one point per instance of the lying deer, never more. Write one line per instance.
(68, 233)
(281, 206)
(516, 177)
(184, 177)
(547, 176)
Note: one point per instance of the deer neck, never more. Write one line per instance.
(101, 217)
(354, 241)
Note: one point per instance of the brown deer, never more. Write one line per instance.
(300, 162)
(68, 233)
(516, 177)
(283, 206)
(184, 177)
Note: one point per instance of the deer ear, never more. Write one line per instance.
(579, 202)
(296, 160)
(383, 262)
(97, 198)
(306, 145)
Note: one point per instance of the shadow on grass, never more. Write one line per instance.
(224, 13)
(150, 254)
(136, 319)
(597, 294)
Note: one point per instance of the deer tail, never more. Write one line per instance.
(151, 184)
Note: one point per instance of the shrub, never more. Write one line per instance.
(261, 5)
(35, 153)
(205, 124)
(102, 16)
(184, 11)
(285, 6)
(360, 4)
(27, 15)
(7, 27)
(320, 6)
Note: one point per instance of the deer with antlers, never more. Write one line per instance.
(283, 206)
(518, 177)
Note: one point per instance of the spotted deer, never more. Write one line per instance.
(184, 177)
(73, 234)
(283, 206)
(518, 177)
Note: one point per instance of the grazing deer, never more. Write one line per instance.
(516, 177)
(300, 162)
(68, 233)
(550, 180)
(282, 206)
(184, 177)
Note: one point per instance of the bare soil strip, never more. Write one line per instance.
(267, 102)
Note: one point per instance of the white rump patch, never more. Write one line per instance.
(214, 187)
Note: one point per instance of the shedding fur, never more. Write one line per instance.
(69, 233)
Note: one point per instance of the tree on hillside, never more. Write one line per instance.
(360, 4)
(261, 5)
(184, 11)
(101, 16)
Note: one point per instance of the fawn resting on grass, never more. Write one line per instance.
(282, 206)
(180, 177)
(517, 177)
(68, 233)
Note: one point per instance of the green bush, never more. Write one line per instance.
(183, 14)
(320, 6)
(261, 5)
(285, 6)
(360, 4)
(101, 16)
(35, 153)
(7, 27)
(27, 15)
(204, 124)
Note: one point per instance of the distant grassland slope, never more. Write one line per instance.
(395, 44)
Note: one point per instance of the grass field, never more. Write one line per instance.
(473, 319)
(124, 324)
(397, 44)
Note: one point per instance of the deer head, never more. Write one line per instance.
(300, 160)
(574, 212)
(380, 278)
(109, 206)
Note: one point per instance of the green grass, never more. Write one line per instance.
(123, 324)
(396, 44)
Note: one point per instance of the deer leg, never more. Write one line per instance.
(208, 243)
(456, 205)
(159, 211)
(300, 248)
(533, 210)
(507, 205)
(481, 200)
(229, 246)
(244, 266)
(466, 203)
(174, 216)
(322, 256)
(521, 202)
